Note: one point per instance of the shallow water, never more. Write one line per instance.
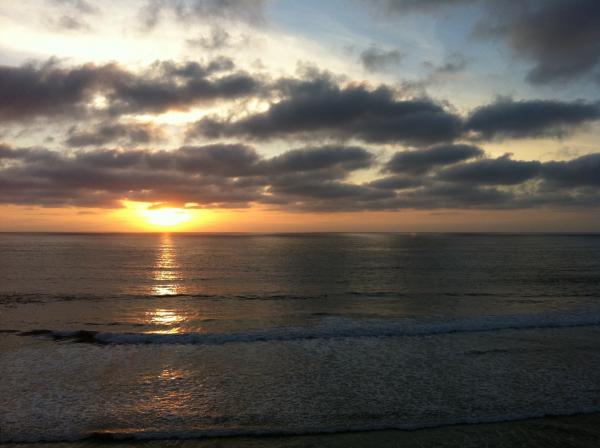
(161, 336)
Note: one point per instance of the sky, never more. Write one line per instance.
(300, 116)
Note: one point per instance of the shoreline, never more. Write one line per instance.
(578, 430)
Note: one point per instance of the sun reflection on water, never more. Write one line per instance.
(166, 277)
(166, 269)
(166, 392)
(165, 318)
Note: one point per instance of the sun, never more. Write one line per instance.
(166, 217)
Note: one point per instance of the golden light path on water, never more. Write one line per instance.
(166, 275)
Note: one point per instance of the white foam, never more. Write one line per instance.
(343, 327)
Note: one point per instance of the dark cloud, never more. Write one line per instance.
(535, 118)
(375, 59)
(316, 179)
(561, 37)
(321, 107)
(500, 171)
(30, 91)
(212, 175)
(111, 132)
(443, 195)
(329, 190)
(173, 88)
(347, 158)
(187, 11)
(582, 171)
(50, 90)
(422, 161)
(396, 182)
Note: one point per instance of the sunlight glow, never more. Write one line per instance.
(167, 217)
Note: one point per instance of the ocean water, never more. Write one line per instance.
(181, 336)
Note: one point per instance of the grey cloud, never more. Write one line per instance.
(396, 182)
(330, 190)
(221, 160)
(453, 64)
(326, 157)
(109, 132)
(223, 174)
(422, 161)
(419, 6)
(170, 86)
(375, 59)
(319, 106)
(582, 171)
(235, 175)
(73, 15)
(30, 91)
(500, 171)
(50, 90)
(247, 11)
(461, 196)
(561, 37)
(216, 40)
(534, 118)
(80, 6)
(71, 23)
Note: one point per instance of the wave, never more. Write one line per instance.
(514, 297)
(119, 435)
(333, 327)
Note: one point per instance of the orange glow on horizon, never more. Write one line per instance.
(152, 216)
(130, 218)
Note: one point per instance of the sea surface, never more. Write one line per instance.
(213, 337)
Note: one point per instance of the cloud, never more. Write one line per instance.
(453, 65)
(375, 59)
(246, 11)
(346, 158)
(416, 6)
(216, 40)
(50, 90)
(561, 38)
(73, 14)
(582, 171)
(315, 179)
(500, 171)
(422, 161)
(534, 118)
(396, 182)
(29, 91)
(225, 175)
(114, 132)
(320, 107)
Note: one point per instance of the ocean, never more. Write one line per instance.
(300, 339)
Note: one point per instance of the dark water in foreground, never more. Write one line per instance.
(192, 336)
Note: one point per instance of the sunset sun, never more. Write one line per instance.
(166, 217)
